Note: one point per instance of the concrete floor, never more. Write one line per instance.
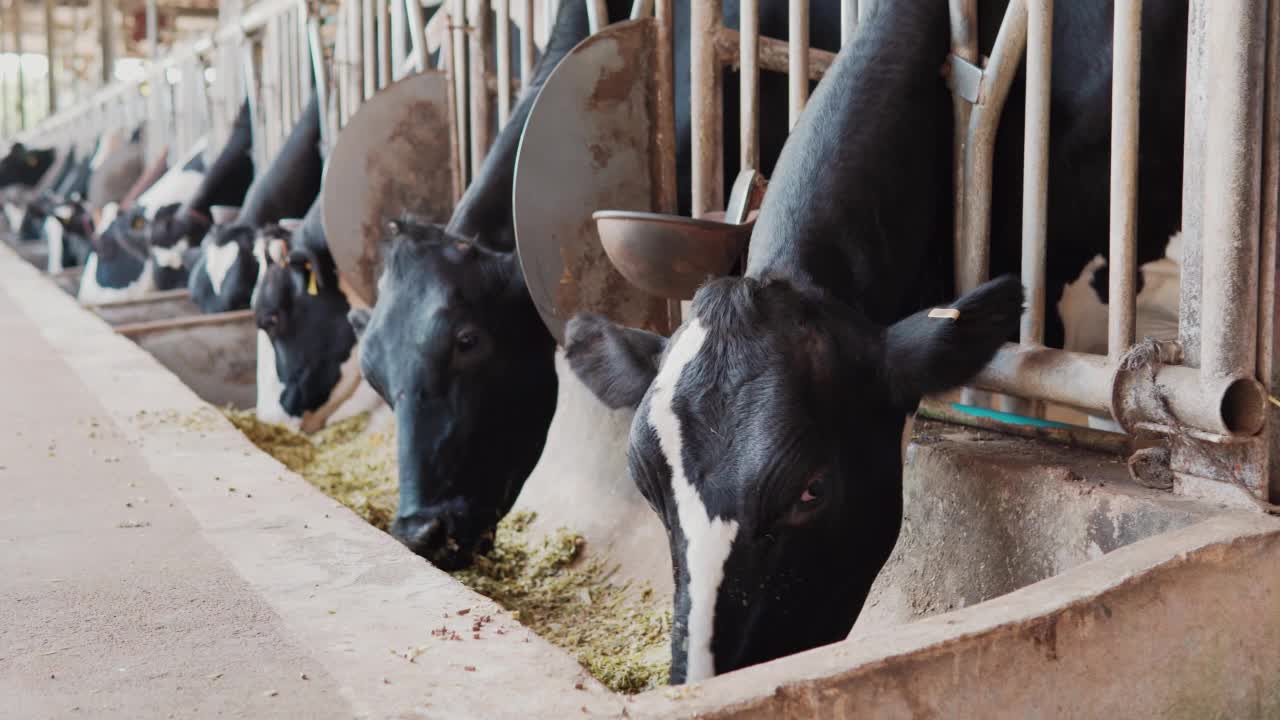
(154, 564)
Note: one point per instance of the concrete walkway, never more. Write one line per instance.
(154, 564)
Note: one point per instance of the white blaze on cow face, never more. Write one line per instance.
(708, 540)
(268, 408)
(218, 260)
(14, 216)
(170, 257)
(110, 212)
(53, 235)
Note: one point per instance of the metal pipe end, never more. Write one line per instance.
(1242, 406)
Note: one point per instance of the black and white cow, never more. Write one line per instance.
(286, 189)
(22, 168)
(455, 344)
(226, 182)
(308, 357)
(766, 432)
(127, 262)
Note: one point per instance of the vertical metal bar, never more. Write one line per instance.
(641, 9)
(984, 120)
(848, 20)
(749, 78)
(368, 54)
(707, 79)
(1267, 305)
(1122, 268)
(106, 39)
(322, 86)
(502, 21)
(458, 70)
(668, 200)
(797, 58)
(22, 73)
(457, 130)
(1035, 171)
(153, 46)
(964, 45)
(355, 57)
(269, 94)
(5, 129)
(417, 33)
(478, 43)
(50, 50)
(526, 46)
(251, 95)
(1232, 171)
(398, 51)
(549, 9)
(1193, 188)
(597, 15)
(383, 48)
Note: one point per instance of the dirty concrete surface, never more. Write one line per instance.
(112, 604)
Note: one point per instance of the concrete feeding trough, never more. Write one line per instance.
(1029, 578)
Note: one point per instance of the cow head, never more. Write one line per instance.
(302, 311)
(767, 438)
(24, 166)
(169, 258)
(223, 277)
(121, 248)
(455, 346)
(183, 225)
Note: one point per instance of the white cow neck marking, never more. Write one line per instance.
(53, 236)
(218, 260)
(708, 540)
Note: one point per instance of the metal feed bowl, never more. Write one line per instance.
(670, 256)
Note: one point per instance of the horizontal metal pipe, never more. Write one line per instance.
(1225, 406)
(774, 54)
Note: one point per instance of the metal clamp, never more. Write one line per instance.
(964, 78)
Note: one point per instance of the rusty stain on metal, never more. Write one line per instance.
(394, 156)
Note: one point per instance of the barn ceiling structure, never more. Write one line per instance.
(69, 48)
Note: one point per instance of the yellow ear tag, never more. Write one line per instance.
(311, 282)
(31, 160)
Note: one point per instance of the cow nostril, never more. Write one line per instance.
(429, 537)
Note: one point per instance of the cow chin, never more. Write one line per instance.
(444, 535)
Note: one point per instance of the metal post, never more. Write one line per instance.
(398, 51)
(1122, 268)
(597, 15)
(1232, 171)
(749, 56)
(1267, 305)
(368, 54)
(502, 21)
(383, 49)
(798, 58)
(848, 20)
(477, 64)
(51, 76)
(5, 128)
(984, 120)
(707, 80)
(17, 49)
(641, 9)
(418, 33)
(106, 39)
(1193, 189)
(526, 46)
(458, 70)
(322, 84)
(964, 46)
(153, 39)
(1035, 172)
(668, 199)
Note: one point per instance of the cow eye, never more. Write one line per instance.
(808, 506)
(467, 340)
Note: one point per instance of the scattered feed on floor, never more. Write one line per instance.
(618, 632)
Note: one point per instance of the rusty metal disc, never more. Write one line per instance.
(588, 145)
(393, 156)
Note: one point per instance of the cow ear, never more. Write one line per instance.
(943, 348)
(616, 363)
(359, 319)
